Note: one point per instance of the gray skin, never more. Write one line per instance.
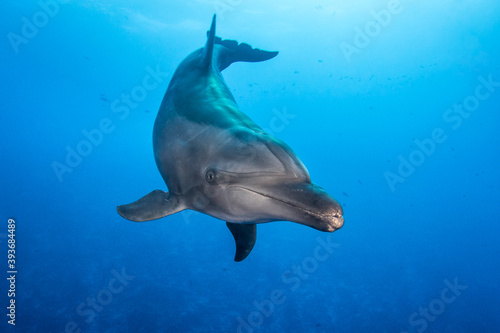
(216, 160)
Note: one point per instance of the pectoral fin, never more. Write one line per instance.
(155, 205)
(244, 236)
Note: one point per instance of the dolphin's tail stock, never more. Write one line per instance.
(230, 51)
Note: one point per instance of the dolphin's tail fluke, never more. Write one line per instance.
(230, 51)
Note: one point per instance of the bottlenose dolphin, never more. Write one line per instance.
(214, 159)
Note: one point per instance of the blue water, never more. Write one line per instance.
(397, 118)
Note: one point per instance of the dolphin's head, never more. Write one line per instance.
(260, 197)
(251, 177)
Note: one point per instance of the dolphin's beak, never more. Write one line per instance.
(305, 203)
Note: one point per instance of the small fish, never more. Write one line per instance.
(347, 195)
(103, 97)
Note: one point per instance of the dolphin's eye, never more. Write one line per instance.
(210, 176)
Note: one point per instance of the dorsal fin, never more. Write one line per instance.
(208, 50)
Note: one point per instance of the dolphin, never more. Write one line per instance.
(215, 160)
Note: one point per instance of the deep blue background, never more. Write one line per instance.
(355, 117)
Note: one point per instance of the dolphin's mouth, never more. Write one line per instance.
(332, 220)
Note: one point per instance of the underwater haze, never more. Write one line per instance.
(393, 107)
